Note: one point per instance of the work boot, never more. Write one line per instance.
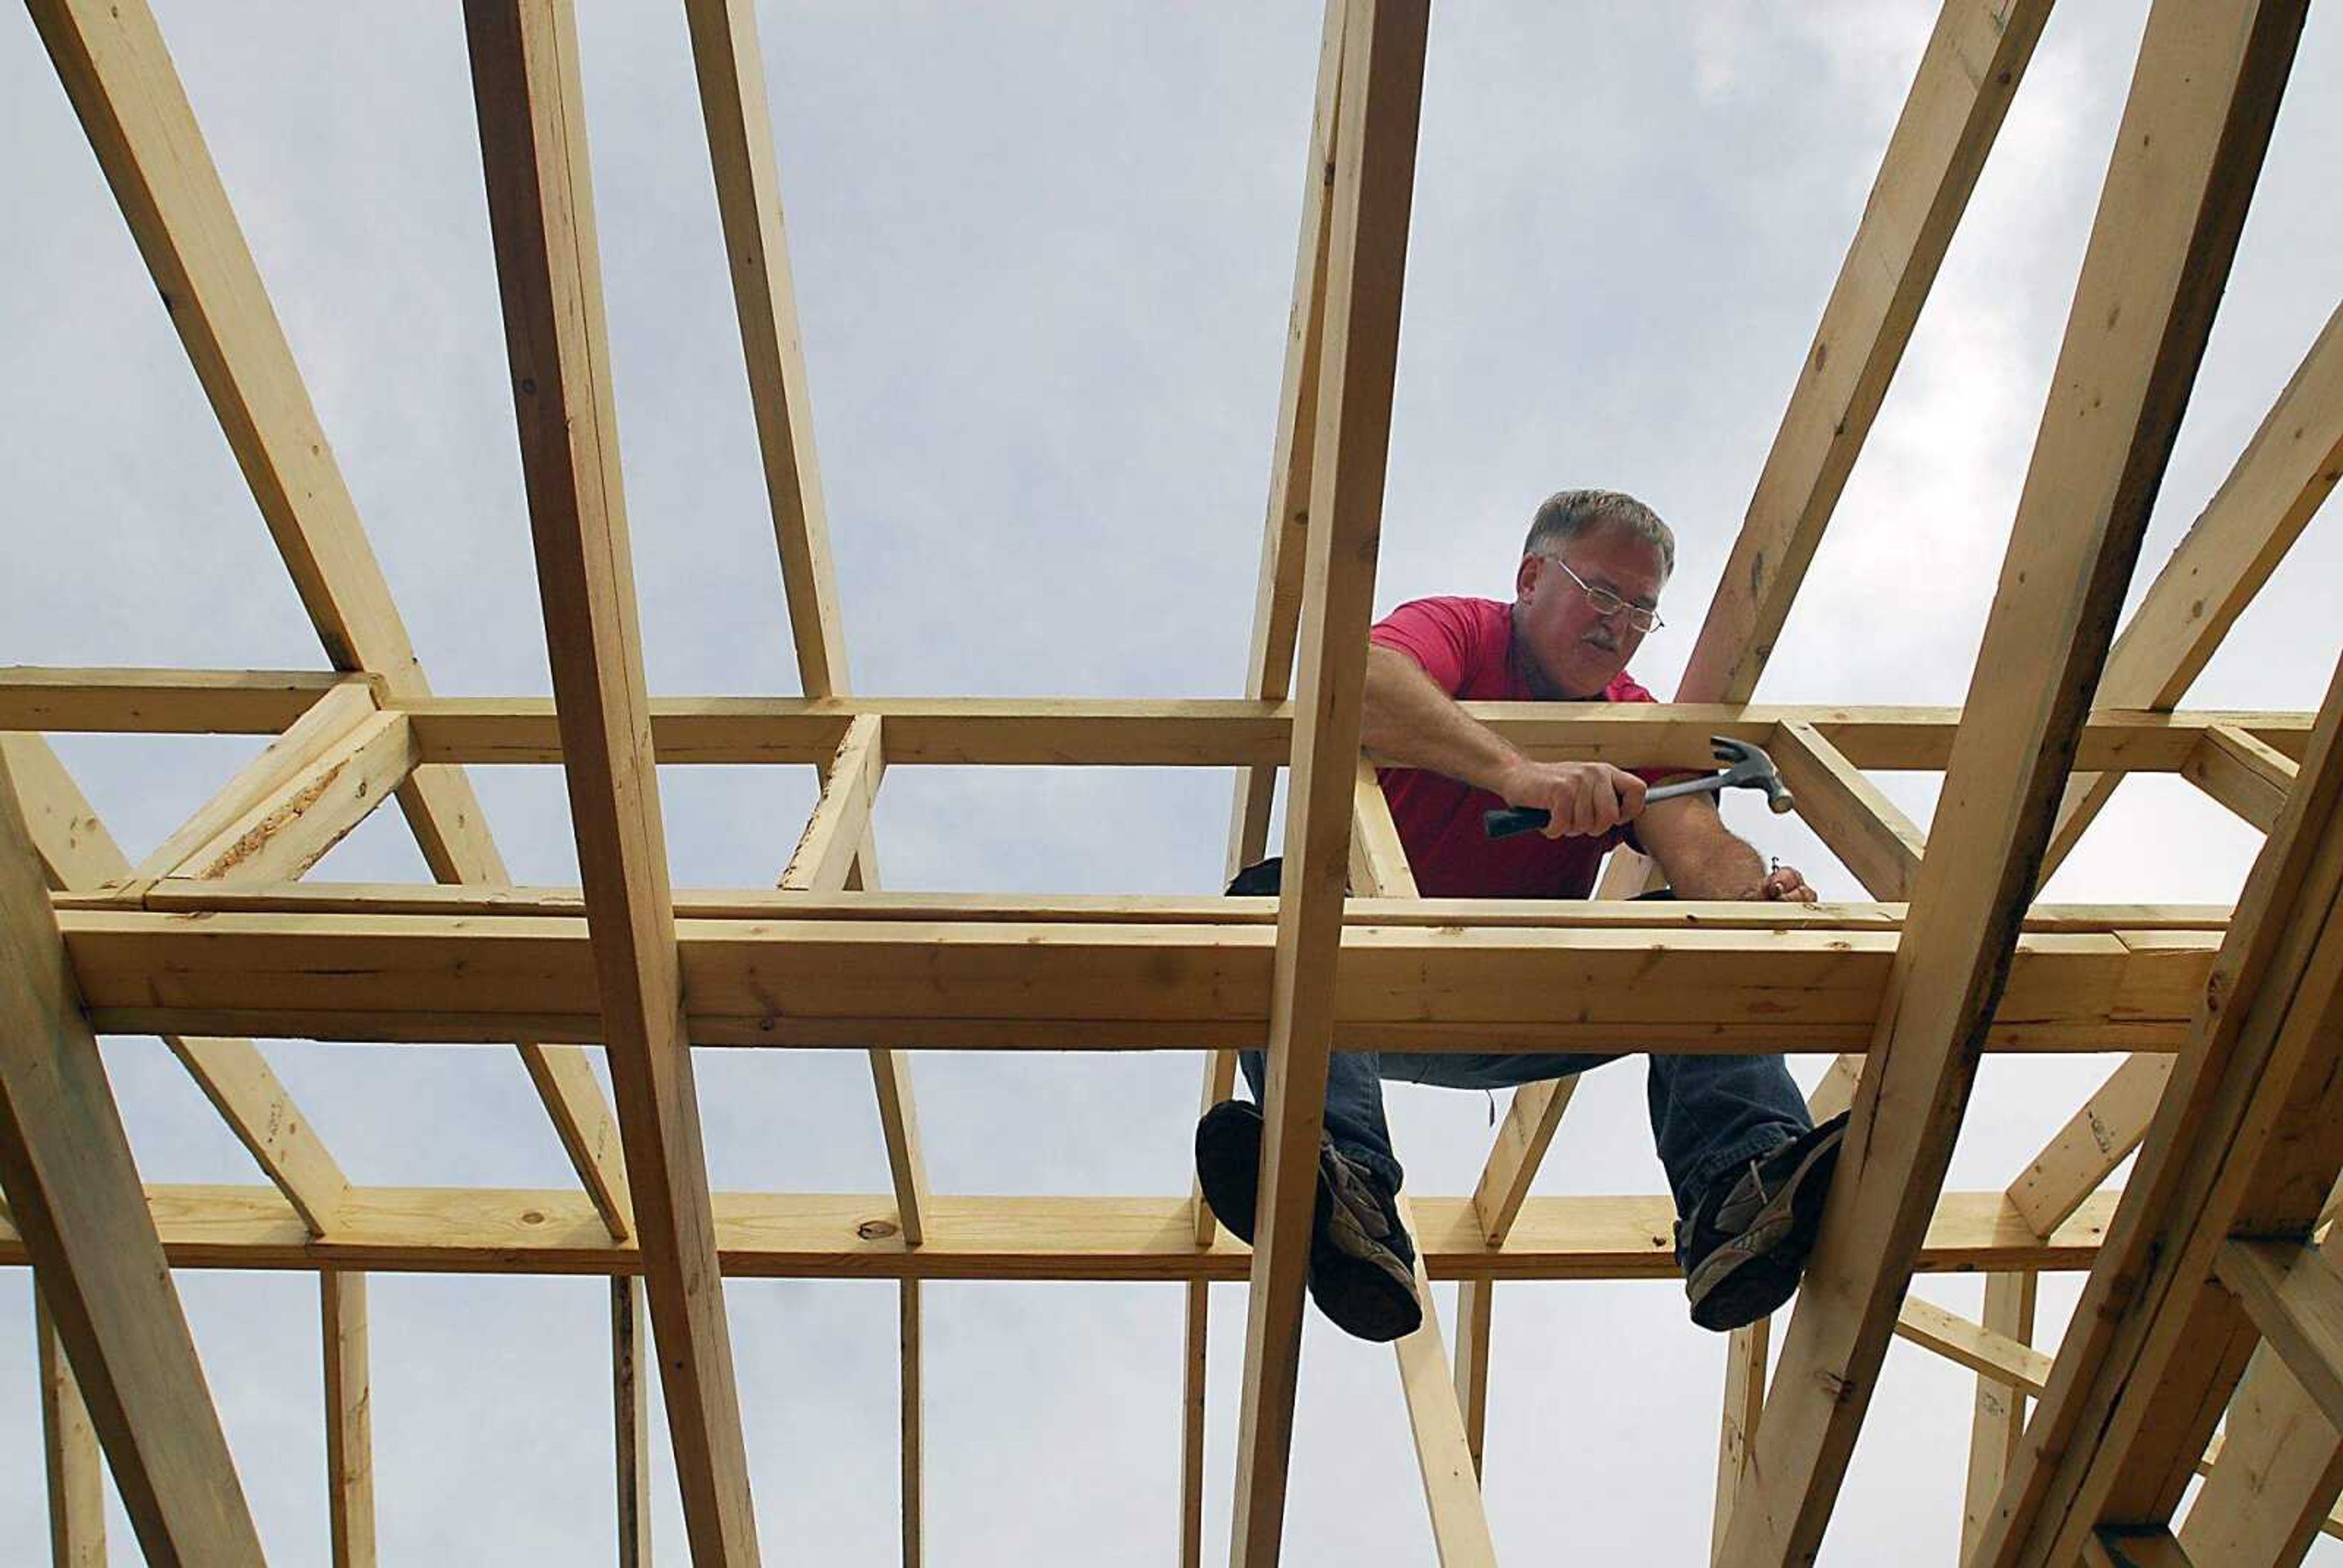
(1361, 1259)
(1745, 1240)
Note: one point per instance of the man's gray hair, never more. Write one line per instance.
(1568, 514)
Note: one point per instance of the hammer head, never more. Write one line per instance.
(1747, 766)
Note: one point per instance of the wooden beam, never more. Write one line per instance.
(74, 1199)
(2093, 1141)
(540, 204)
(2000, 1358)
(1285, 530)
(2186, 162)
(1373, 189)
(1197, 1342)
(77, 851)
(1967, 75)
(76, 1472)
(333, 718)
(841, 816)
(160, 701)
(630, 1405)
(1475, 1323)
(2272, 1478)
(2294, 1297)
(2237, 1147)
(2241, 772)
(1862, 827)
(349, 1420)
(291, 827)
(850, 1235)
(979, 984)
(111, 58)
(1745, 1350)
(2129, 1548)
(1997, 1422)
(1444, 1449)
(913, 1481)
(732, 71)
(2278, 483)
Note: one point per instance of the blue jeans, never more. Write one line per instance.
(1710, 1114)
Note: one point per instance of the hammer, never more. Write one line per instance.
(1746, 767)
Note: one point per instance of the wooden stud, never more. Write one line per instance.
(2296, 1299)
(630, 1420)
(2280, 480)
(841, 816)
(76, 1472)
(2241, 772)
(336, 716)
(731, 70)
(73, 1197)
(1476, 1302)
(349, 1420)
(291, 828)
(1967, 75)
(1997, 1421)
(2271, 1480)
(1862, 827)
(2093, 1141)
(1443, 1450)
(2243, 1143)
(1746, 1351)
(2185, 161)
(1374, 189)
(532, 139)
(913, 1481)
(77, 851)
(1197, 1342)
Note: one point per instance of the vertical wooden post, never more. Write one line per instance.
(76, 1479)
(349, 1418)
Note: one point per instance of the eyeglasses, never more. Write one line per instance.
(1606, 603)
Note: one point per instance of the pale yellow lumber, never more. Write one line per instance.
(1862, 826)
(159, 701)
(2270, 1479)
(1373, 189)
(76, 850)
(1379, 867)
(1443, 1450)
(315, 734)
(630, 1420)
(1998, 1419)
(291, 827)
(2277, 484)
(848, 1235)
(913, 1473)
(1745, 1350)
(732, 71)
(2093, 1141)
(2296, 1299)
(1195, 1344)
(525, 86)
(77, 1474)
(74, 1199)
(2151, 1546)
(2242, 773)
(2187, 157)
(1476, 1302)
(349, 1420)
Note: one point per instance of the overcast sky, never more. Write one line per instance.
(1042, 257)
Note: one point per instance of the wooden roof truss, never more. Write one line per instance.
(2205, 1278)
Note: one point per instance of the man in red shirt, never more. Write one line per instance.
(1746, 1165)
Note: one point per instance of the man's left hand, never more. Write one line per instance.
(1787, 884)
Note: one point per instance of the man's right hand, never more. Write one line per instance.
(1584, 799)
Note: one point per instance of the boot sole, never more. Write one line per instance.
(1751, 1275)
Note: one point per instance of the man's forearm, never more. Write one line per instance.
(1410, 722)
(1703, 858)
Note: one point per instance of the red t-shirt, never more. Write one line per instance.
(1466, 646)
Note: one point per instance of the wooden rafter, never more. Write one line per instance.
(2244, 1144)
(1372, 193)
(73, 1197)
(533, 148)
(78, 852)
(111, 58)
(2186, 157)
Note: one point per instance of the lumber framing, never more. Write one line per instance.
(2243, 1145)
(118, 75)
(1372, 193)
(2186, 162)
(75, 1201)
(525, 88)
(74, 1467)
(850, 1236)
(2208, 1291)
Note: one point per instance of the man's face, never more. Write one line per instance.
(1573, 652)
